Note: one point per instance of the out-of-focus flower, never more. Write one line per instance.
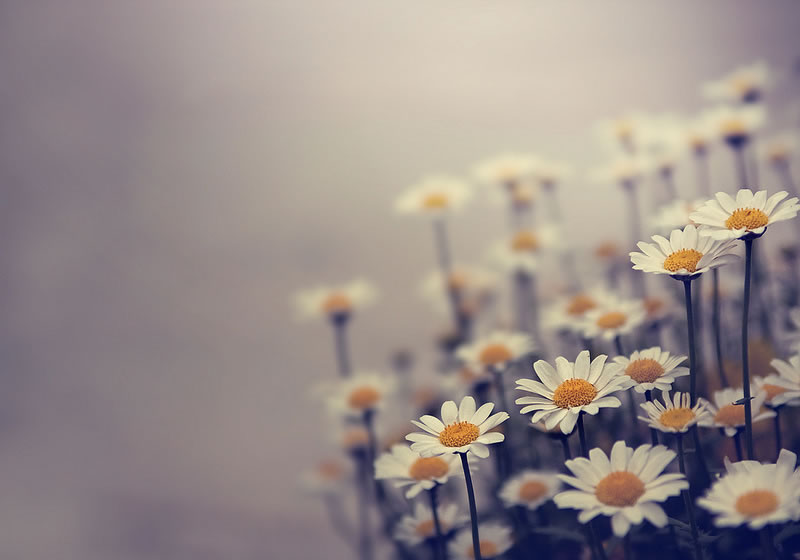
(495, 540)
(473, 284)
(782, 387)
(523, 250)
(570, 388)
(676, 415)
(700, 133)
(621, 171)
(529, 489)
(736, 125)
(461, 429)
(627, 487)
(674, 215)
(685, 253)
(613, 317)
(419, 526)
(326, 478)
(755, 494)
(506, 170)
(549, 173)
(363, 392)
(496, 350)
(749, 213)
(335, 301)
(354, 438)
(745, 84)
(434, 196)
(779, 149)
(650, 369)
(566, 313)
(727, 416)
(622, 132)
(408, 468)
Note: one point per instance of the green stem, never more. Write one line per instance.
(473, 510)
(648, 395)
(716, 319)
(440, 548)
(687, 501)
(748, 413)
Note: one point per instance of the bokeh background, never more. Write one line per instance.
(173, 171)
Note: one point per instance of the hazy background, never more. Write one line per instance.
(173, 170)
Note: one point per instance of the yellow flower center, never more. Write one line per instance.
(363, 398)
(619, 489)
(427, 468)
(606, 250)
(653, 305)
(521, 196)
(733, 128)
(458, 434)
(757, 502)
(457, 281)
(645, 370)
(580, 304)
(488, 549)
(773, 391)
(611, 320)
(493, 354)
(524, 241)
(532, 490)
(435, 201)
(355, 437)
(676, 418)
(685, 258)
(337, 302)
(330, 470)
(574, 392)
(746, 218)
(425, 528)
(731, 415)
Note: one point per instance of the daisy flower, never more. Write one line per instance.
(566, 313)
(566, 390)
(782, 387)
(363, 392)
(622, 132)
(650, 369)
(676, 415)
(462, 429)
(749, 213)
(354, 438)
(612, 318)
(419, 526)
(685, 253)
(675, 215)
(743, 85)
(496, 350)
(495, 540)
(408, 468)
(699, 133)
(529, 489)
(549, 173)
(755, 494)
(334, 301)
(469, 282)
(627, 487)
(506, 170)
(736, 125)
(433, 196)
(779, 149)
(623, 171)
(727, 416)
(522, 251)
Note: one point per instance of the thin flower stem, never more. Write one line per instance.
(687, 289)
(701, 459)
(687, 500)
(716, 319)
(737, 440)
(504, 462)
(626, 545)
(741, 166)
(565, 447)
(446, 266)
(648, 395)
(365, 531)
(630, 189)
(342, 349)
(439, 548)
(473, 510)
(618, 345)
(748, 413)
(776, 421)
(767, 548)
(582, 436)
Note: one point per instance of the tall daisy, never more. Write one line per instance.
(419, 526)
(408, 468)
(729, 416)
(745, 84)
(736, 125)
(566, 313)
(628, 486)
(529, 489)
(496, 350)
(433, 196)
(359, 394)
(650, 369)
(676, 415)
(685, 253)
(506, 170)
(783, 386)
(495, 541)
(612, 318)
(524, 249)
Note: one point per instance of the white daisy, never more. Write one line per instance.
(433, 196)
(700, 133)
(569, 389)
(624, 131)
(676, 415)
(326, 478)
(360, 393)
(730, 417)
(496, 350)
(408, 468)
(506, 170)
(650, 369)
(736, 125)
(622, 171)
(755, 494)
(613, 317)
(418, 527)
(353, 438)
(749, 213)
(495, 540)
(674, 215)
(778, 150)
(462, 429)
(471, 283)
(566, 312)
(529, 489)
(334, 301)
(550, 173)
(745, 84)
(685, 253)
(782, 387)
(523, 250)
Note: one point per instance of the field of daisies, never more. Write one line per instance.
(645, 411)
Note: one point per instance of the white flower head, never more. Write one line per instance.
(569, 388)
(523, 251)
(748, 214)
(613, 317)
(409, 468)
(530, 489)
(779, 149)
(506, 170)
(628, 486)
(433, 196)
(727, 416)
(675, 415)
(745, 84)
(495, 540)
(566, 312)
(497, 350)
(650, 369)
(625, 170)
(736, 125)
(755, 494)
(686, 253)
(461, 429)
(622, 132)
(471, 283)
(550, 173)
(334, 301)
(675, 215)
(360, 393)
(418, 527)
(783, 386)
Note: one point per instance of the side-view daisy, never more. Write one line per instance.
(743, 85)
(495, 540)
(685, 253)
(505, 170)
(496, 350)
(782, 387)
(727, 416)
(462, 429)
(566, 313)
(363, 392)
(523, 251)
(676, 415)
(755, 494)
(419, 526)
(627, 486)
(569, 389)
(530, 489)
(334, 301)
(650, 369)
(409, 468)
(613, 317)
(433, 196)
(748, 214)
(735, 125)
(674, 215)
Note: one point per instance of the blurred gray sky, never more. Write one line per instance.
(174, 170)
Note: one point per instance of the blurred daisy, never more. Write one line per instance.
(569, 389)
(354, 438)
(529, 489)
(676, 415)
(506, 170)
(434, 195)
(419, 526)
(744, 85)
(334, 301)
(470, 282)
(462, 429)
(363, 392)
(549, 173)
(613, 317)
(736, 125)
(326, 478)
(778, 150)
(699, 133)
(755, 494)
(650, 369)
(566, 313)
(496, 350)
(622, 132)
(674, 215)
(408, 468)
(727, 416)
(523, 250)
(495, 541)
(627, 487)
(621, 171)
(749, 213)
(685, 253)
(782, 387)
